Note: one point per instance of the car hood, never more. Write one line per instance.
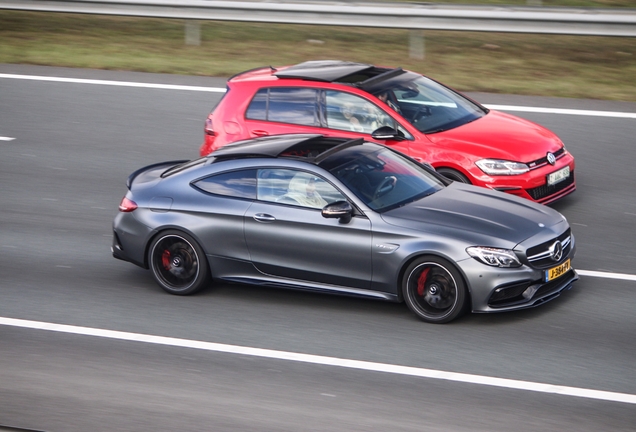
(500, 135)
(479, 216)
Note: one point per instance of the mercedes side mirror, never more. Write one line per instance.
(338, 210)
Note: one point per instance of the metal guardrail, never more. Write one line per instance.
(590, 22)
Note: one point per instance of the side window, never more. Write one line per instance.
(296, 188)
(295, 105)
(237, 184)
(258, 107)
(352, 113)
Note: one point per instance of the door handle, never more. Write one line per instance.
(264, 217)
(260, 132)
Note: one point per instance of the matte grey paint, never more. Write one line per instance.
(298, 248)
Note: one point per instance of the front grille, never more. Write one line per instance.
(539, 256)
(544, 160)
(549, 287)
(545, 190)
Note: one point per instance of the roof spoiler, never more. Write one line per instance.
(131, 177)
(270, 67)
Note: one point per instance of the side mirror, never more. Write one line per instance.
(387, 133)
(338, 210)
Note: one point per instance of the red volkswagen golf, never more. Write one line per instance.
(404, 110)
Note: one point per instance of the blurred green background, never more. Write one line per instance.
(525, 64)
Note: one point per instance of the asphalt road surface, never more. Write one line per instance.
(234, 358)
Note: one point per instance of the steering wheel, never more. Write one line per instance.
(385, 186)
(422, 111)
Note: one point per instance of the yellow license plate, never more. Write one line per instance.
(557, 271)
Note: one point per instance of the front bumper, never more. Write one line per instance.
(543, 194)
(531, 294)
(533, 184)
(494, 289)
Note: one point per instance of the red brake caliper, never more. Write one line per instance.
(421, 282)
(165, 259)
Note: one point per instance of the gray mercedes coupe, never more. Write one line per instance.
(342, 216)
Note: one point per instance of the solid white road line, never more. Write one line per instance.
(6, 138)
(327, 361)
(592, 113)
(606, 275)
(114, 83)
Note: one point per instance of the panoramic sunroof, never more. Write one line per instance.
(330, 71)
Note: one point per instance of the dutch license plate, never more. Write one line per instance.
(557, 271)
(558, 176)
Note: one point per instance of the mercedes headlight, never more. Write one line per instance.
(501, 167)
(494, 257)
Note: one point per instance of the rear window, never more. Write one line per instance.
(295, 105)
(238, 184)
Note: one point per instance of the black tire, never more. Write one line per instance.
(452, 174)
(178, 263)
(434, 290)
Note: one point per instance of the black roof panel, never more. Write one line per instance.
(323, 70)
(303, 146)
(268, 146)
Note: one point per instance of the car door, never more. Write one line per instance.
(351, 115)
(293, 240)
(279, 110)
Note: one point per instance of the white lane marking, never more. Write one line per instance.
(607, 275)
(222, 90)
(327, 361)
(2, 138)
(590, 113)
(114, 83)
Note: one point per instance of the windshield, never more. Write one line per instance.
(426, 104)
(381, 178)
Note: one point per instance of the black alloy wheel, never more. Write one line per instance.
(178, 263)
(434, 290)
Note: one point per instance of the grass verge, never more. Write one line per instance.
(526, 64)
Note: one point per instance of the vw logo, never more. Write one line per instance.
(556, 251)
(551, 159)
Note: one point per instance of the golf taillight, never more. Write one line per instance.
(127, 205)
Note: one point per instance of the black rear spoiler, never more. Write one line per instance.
(149, 167)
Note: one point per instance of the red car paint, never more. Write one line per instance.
(494, 135)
